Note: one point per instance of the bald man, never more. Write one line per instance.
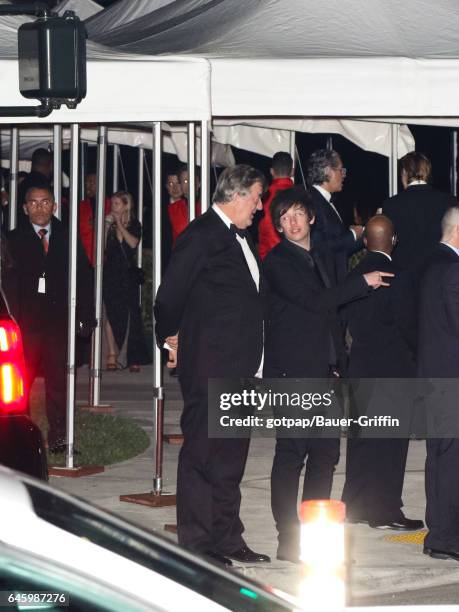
(383, 346)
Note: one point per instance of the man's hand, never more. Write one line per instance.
(172, 361)
(358, 229)
(172, 341)
(376, 279)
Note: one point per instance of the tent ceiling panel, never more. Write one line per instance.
(285, 28)
(254, 135)
(378, 87)
(126, 88)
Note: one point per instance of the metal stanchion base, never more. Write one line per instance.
(99, 409)
(76, 472)
(173, 438)
(150, 499)
(170, 527)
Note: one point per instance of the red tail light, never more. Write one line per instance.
(12, 368)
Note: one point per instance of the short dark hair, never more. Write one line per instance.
(317, 164)
(38, 184)
(40, 157)
(282, 164)
(417, 166)
(236, 179)
(286, 198)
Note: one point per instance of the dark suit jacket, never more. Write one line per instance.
(383, 327)
(330, 234)
(439, 316)
(303, 314)
(416, 214)
(47, 313)
(209, 296)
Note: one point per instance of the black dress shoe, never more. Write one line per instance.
(402, 524)
(441, 554)
(218, 558)
(245, 555)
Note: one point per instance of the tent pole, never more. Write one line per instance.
(81, 188)
(57, 168)
(73, 231)
(205, 164)
(14, 164)
(156, 498)
(394, 131)
(453, 169)
(141, 156)
(292, 152)
(96, 352)
(157, 365)
(115, 168)
(191, 142)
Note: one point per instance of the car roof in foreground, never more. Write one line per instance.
(116, 551)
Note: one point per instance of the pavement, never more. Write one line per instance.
(377, 565)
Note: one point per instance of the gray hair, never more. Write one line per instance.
(317, 164)
(236, 180)
(450, 220)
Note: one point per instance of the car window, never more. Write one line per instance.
(229, 590)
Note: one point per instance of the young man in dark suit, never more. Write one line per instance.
(212, 295)
(303, 340)
(438, 357)
(39, 277)
(383, 335)
(326, 176)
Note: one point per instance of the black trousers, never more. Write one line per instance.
(46, 352)
(375, 470)
(442, 493)
(321, 457)
(208, 480)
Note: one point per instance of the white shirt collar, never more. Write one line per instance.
(416, 182)
(37, 228)
(226, 220)
(324, 192)
(382, 253)
(451, 247)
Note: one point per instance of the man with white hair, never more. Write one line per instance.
(438, 357)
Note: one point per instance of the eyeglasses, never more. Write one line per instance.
(43, 203)
(342, 170)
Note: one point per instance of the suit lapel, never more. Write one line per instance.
(229, 238)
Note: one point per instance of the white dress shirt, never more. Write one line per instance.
(252, 265)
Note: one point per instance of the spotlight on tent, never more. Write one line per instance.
(52, 60)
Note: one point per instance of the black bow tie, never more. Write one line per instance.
(243, 233)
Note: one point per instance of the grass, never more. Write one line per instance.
(101, 439)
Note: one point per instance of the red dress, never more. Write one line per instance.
(87, 227)
(178, 215)
(267, 234)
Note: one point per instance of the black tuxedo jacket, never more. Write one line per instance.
(47, 313)
(330, 234)
(416, 214)
(383, 327)
(439, 316)
(303, 313)
(209, 297)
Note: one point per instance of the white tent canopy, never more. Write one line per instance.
(302, 58)
(83, 8)
(120, 86)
